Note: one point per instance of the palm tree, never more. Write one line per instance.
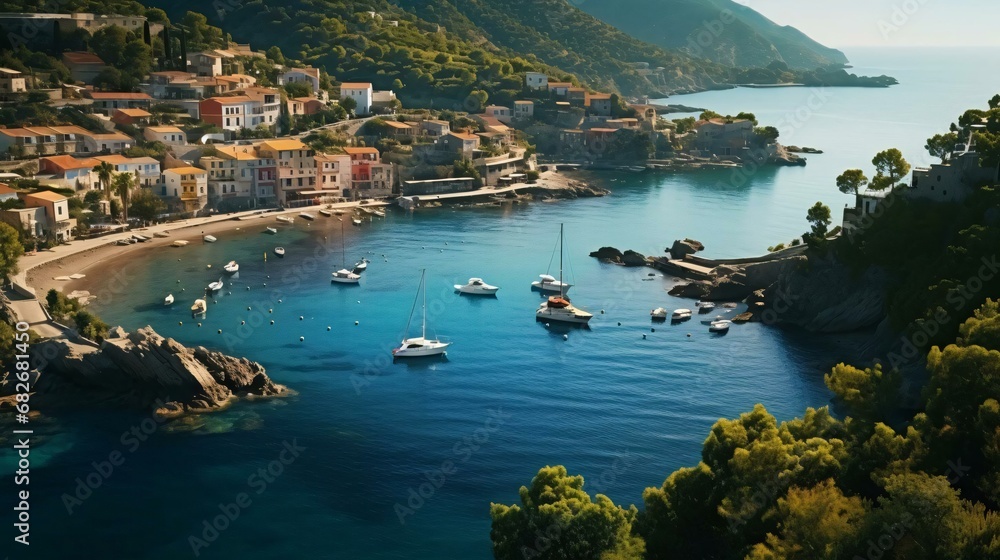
(105, 171)
(122, 186)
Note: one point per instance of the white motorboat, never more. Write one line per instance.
(705, 306)
(169, 300)
(140, 238)
(344, 276)
(361, 265)
(216, 286)
(420, 346)
(231, 267)
(558, 308)
(326, 213)
(162, 234)
(271, 230)
(307, 216)
(719, 326)
(124, 242)
(210, 239)
(379, 213)
(659, 314)
(199, 307)
(548, 283)
(280, 251)
(680, 315)
(477, 287)
(180, 243)
(356, 221)
(285, 220)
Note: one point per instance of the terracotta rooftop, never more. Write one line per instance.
(117, 95)
(48, 195)
(134, 113)
(359, 151)
(70, 162)
(187, 170)
(81, 58)
(284, 145)
(356, 85)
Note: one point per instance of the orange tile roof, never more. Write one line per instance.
(4, 189)
(463, 135)
(284, 145)
(82, 58)
(48, 196)
(229, 100)
(239, 153)
(397, 125)
(70, 162)
(113, 158)
(611, 130)
(117, 95)
(356, 85)
(359, 151)
(600, 96)
(186, 170)
(135, 113)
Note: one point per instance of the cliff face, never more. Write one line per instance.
(145, 370)
(826, 297)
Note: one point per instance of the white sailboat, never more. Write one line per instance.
(232, 267)
(169, 300)
(420, 346)
(216, 286)
(558, 308)
(344, 276)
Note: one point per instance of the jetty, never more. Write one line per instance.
(693, 267)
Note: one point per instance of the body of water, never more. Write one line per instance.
(618, 407)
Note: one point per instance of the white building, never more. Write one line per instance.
(950, 182)
(307, 75)
(536, 80)
(361, 93)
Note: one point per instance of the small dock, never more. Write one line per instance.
(683, 268)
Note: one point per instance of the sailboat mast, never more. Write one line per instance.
(423, 309)
(561, 285)
(343, 246)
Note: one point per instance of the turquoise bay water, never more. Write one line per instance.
(512, 396)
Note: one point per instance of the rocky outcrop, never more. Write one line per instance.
(732, 282)
(827, 297)
(684, 247)
(612, 255)
(147, 371)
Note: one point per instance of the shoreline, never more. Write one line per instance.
(102, 261)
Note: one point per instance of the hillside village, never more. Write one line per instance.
(229, 128)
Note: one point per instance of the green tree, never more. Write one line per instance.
(819, 218)
(851, 181)
(11, 250)
(817, 523)
(558, 520)
(870, 394)
(942, 145)
(890, 167)
(297, 89)
(768, 134)
(109, 44)
(475, 102)
(466, 168)
(122, 186)
(275, 56)
(349, 104)
(105, 173)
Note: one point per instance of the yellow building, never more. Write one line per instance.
(189, 185)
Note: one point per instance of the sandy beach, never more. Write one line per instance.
(104, 263)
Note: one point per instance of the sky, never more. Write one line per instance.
(845, 23)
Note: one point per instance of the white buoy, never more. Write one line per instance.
(199, 324)
(328, 328)
(181, 323)
(302, 338)
(644, 337)
(220, 331)
(565, 337)
(357, 323)
(301, 317)
(272, 322)
(243, 322)
(248, 308)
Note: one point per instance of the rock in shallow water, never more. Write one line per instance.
(147, 371)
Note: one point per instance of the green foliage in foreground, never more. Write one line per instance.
(811, 488)
(64, 309)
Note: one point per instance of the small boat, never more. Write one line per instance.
(680, 315)
(199, 307)
(231, 267)
(216, 286)
(476, 286)
(270, 230)
(338, 212)
(637, 168)
(356, 221)
(379, 213)
(326, 213)
(705, 306)
(124, 242)
(140, 238)
(658, 314)
(719, 326)
(549, 283)
(180, 243)
(280, 251)
(169, 300)
(162, 234)
(420, 346)
(285, 220)
(344, 276)
(307, 216)
(558, 308)
(361, 265)
(210, 239)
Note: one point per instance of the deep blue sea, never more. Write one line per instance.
(621, 409)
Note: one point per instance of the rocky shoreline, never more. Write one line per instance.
(144, 371)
